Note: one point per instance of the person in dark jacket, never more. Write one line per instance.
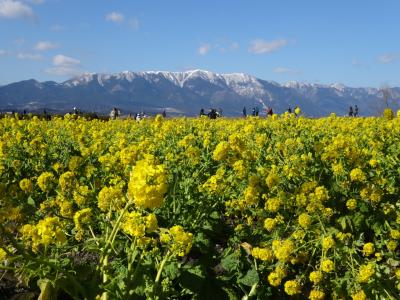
(355, 110)
(212, 114)
(350, 111)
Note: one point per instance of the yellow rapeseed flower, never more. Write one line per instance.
(148, 183)
(304, 220)
(45, 181)
(328, 243)
(276, 276)
(365, 272)
(26, 185)
(292, 287)
(264, 254)
(316, 277)
(357, 175)
(368, 249)
(360, 295)
(327, 265)
(351, 204)
(395, 234)
(316, 295)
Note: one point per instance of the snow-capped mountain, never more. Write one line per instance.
(186, 93)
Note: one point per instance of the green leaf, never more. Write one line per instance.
(31, 202)
(250, 278)
(193, 279)
(215, 215)
(342, 222)
(230, 262)
(172, 270)
(47, 290)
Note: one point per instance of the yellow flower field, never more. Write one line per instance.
(207, 209)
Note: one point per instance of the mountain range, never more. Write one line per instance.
(187, 92)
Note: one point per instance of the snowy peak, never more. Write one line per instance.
(177, 78)
(187, 92)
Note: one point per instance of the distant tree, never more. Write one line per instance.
(386, 93)
(389, 98)
(383, 101)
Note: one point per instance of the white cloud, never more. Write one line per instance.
(64, 66)
(45, 45)
(35, 1)
(260, 46)
(133, 23)
(283, 70)
(3, 52)
(115, 17)
(388, 58)
(234, 46)
(66, 61)
(118, 18)
(204, 49)
(13, 9)
(29, 56)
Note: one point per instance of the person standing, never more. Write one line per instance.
(212, 114)
(113, 114)
(350, 111)
(244, 111)
(256, 112)
(356, 110)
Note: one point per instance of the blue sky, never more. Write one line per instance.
(356, 43)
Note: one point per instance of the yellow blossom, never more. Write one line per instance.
(264, 254)
(360, 295)
(368, 249)
(276, 276)
(67, 181)
(327, 265)
(304, 220)
(391, 245)
(270, 224)
(45, 181)
(110, 198)
(316, 277)
(292, 287)
(395, 234)
(148, 183)
(180, 240)
(283, 249)
(357, 175)
(221, 151)
(365, 272)
(3, 255)
(328, 243)
(316, 295)
(26, 185)
(351, 204)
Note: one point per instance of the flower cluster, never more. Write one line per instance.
(147, 183)
(179, 241)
